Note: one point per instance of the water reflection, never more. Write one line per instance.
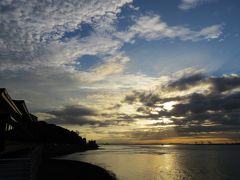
(165, 162)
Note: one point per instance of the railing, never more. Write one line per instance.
(36, 157)
(15, 169)
(21, 168)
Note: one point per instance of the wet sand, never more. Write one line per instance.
(71, 170)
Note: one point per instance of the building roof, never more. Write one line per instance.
(7, 104)
(21, 106)
(15, 108)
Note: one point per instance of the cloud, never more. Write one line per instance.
(186, 81)
(74, 114)
(35, 34)
(73, 111)
(190, 4)
(215, 108)
(194, 132)
(40, 57)
(83, 116)
(28, 23)
(228, 82)
(147, 98)
(170, 88)
(126, 82)
(221, 109)
(34, 38)
(152, 27)
(112, 65)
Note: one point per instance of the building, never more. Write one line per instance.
(12, 113)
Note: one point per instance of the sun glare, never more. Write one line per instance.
(169, 105)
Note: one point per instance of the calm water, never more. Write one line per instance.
(153, 162)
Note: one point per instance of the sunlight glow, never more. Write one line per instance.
(169, 105)
(161, 122)
(165, 120)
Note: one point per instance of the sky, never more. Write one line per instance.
(126, 71)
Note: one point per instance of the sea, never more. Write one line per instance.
(166, 162)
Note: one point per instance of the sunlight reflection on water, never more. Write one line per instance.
(155, 162)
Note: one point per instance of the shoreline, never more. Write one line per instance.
(72, 170)
(55, 150)
(48, 168)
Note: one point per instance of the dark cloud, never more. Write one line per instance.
(216, 109)
(187, 81)
(74, 111)
(199, 103)
(132, 97)
(73, 115)
(147, 98)
(81, 115)
(221, 84)
(196, 113)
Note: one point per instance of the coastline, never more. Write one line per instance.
(71, 170)
(61, 169)
(48, 168)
